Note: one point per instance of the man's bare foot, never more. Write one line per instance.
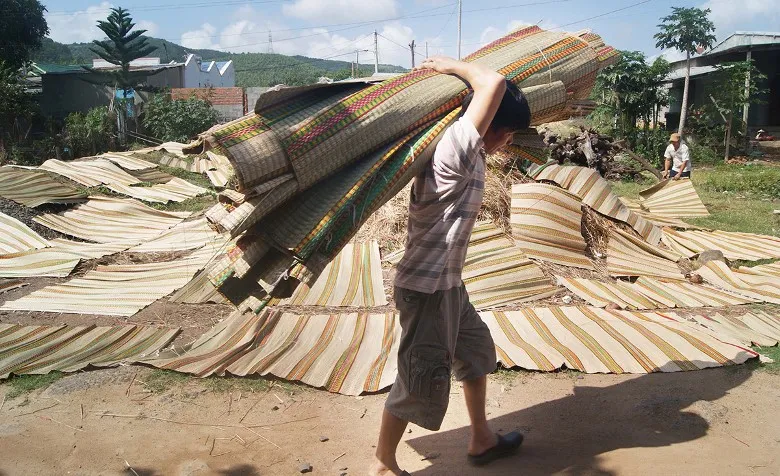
(381, 469)
(480, 444)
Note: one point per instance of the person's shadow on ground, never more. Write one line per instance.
(571, 432)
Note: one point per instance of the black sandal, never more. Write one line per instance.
(506, 446)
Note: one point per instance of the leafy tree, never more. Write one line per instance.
(90, 133)
(736, 84)
(22, 26)
(177, 119)
(122, 46)
(685, 30)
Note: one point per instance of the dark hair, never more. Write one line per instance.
(513, 113)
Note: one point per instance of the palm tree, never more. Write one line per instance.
(685, 30)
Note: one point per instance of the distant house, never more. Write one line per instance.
(204, 74)
(72, 88)
(763, 48)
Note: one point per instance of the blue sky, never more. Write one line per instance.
(336, 28)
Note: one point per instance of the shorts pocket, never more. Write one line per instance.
(429, 373)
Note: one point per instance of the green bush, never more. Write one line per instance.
(748, 179)
(177, 120)
(90, 133)
(703, 154)
(33, 153)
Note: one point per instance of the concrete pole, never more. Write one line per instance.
(426, 49)
(460, 15)
(376, 53)
(411, 47)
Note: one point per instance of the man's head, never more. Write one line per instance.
(675, 140)
(513, 115)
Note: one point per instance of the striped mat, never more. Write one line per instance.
(596, 192)
(598, 341)
(352, 279)
(673, 198)
(32, 188)
(734, 245)
(343, 353)
(11, 284)
(90, 173)
(46, 262)
(546, 222)
(772, 269)
(355, 353)
(175, 190)
(116, 290)
(127, 161)
(196, 165)
(187, 235)
(630, 256)
(86, 250)
(754, 328)
(43, 349)
(504, 276)
(152, 175)
(759, 287)
(649, 293)
(106, 219)
(218, 177)
(15, 236)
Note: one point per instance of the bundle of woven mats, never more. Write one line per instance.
(376, 137)
(353, 353)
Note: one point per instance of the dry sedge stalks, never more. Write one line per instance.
(388, 224)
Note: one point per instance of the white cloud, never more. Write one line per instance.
(81, 26)
(200, 38)
(78, 27)
(729, 14)
(151, 27)
(341, 10)
(492, 33)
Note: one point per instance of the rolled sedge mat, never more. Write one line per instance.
(377, 138)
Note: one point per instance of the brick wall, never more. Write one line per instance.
(229, 102)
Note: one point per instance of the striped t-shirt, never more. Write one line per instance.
(445, 201)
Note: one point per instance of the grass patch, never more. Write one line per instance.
(774, 354)
(197, 179)
(242, 384)
(733, 194)
(160, 381)
(195, 205)
(24, 384)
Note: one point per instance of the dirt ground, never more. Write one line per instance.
(715, 422)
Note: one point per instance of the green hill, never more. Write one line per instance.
(252, 69)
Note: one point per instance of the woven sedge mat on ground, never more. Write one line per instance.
(772, 269)
(357, 352)
(11, 284)
(152, 175)
(352, 279)
(43, 349)
(630, 256)
(754, 328)
(45, 262)
(596, 192)
(197, 165)
(649, 293)
(15, 236)
(106, 220)
(175, 190)
(116, 290)
(86, 250)
(32, 188)
(187, 235)
(218, 177)
(673, 198)
(734, 245)
(761, 288)
(90, 173)
(547, 224)
(127, 161)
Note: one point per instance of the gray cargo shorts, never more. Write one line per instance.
(441, 334)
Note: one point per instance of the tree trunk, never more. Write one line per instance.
(684, 110)
(642, 161)
(728, 136)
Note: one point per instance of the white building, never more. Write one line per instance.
(204, 74)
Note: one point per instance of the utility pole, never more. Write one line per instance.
(411, 47)
(426, 49)
(376, 53)
(460, 17)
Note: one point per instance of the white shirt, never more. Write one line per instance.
(678, 157)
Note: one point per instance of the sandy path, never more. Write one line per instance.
(721, 421)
